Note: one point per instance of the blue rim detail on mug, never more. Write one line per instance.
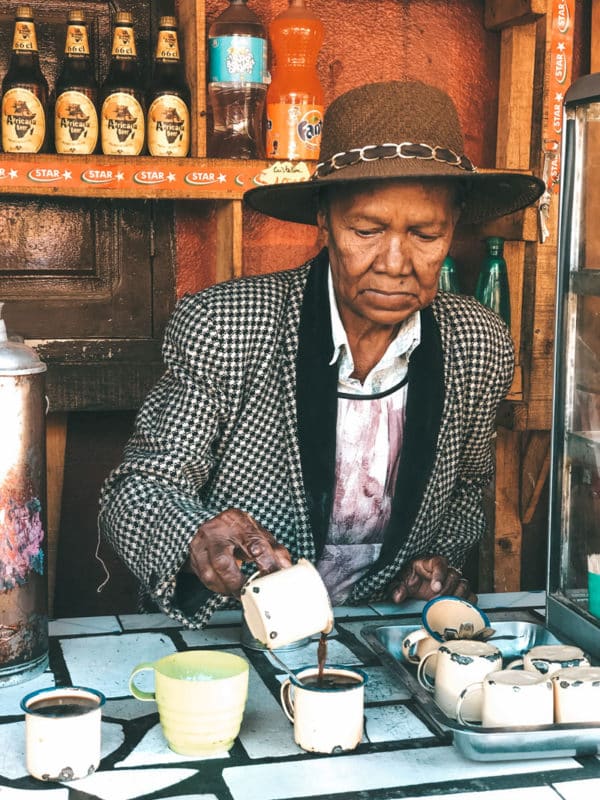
(345, 667)
(64, 690)
(485, 623)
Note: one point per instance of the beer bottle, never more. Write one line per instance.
(24, 91)
(122, 116)
(168, 121)
(448, 281)
(75, 115)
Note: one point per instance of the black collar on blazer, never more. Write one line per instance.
(316, 400)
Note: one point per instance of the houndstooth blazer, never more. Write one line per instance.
(243, 417)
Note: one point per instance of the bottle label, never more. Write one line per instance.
(238, 59)
(122, 125)
(23, 122)
(168, 127)
(77, 43)
(75, 124)
(167, 47)
(294, 131)
(124, 43)
(24, 36)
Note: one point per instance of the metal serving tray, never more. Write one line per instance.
(513, 638)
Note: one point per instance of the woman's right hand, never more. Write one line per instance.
(221, 545)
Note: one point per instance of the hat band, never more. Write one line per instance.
(403, 150)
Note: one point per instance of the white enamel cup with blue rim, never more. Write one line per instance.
(328, 718)
(443, 616)
(62, 732)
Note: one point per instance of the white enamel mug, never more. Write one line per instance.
(287, 605)
(416, 645)
(548, 658)
(510, 698)
(577, 695)
(62, 732)
(327, 718)
(459, 663)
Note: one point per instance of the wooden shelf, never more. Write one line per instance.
(143, 177)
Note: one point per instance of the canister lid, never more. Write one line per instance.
(17, 358)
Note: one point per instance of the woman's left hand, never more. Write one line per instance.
(425, 578)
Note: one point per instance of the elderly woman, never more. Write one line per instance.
(342, 411)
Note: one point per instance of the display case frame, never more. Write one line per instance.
(574, 524)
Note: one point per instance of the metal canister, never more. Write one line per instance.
(23, 572)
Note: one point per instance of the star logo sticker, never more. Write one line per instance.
(120, 176)
(222, 178)
(560, 47)
(559, 97)
(67, 175)
(171, 177)
(13, 173)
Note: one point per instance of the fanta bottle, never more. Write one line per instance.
(295, 95)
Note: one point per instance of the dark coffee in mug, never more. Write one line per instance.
(67, 705)
(335, 681)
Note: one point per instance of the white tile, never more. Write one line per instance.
(190, 797)
(579, 790)
(8, 793)
(408, 608)
(337, 653)
(393, 723)
(351, 612)
(136, 622)
(77, 626)
(382, 685)
(124, 784)
(113, 737)
(12, 753)
(11, 696)
(105, 662)
(266, 731)
(355, 629)
(226, 616)
(209, 637)
(524, 793)
(512, 600)
(153, 749)
(128, 708)
(362, 772)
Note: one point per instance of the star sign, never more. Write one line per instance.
(171, 177)
(560, 47)
(13, 173)
(67, 175)
(559, 97)
(120, 176)
(222, 178)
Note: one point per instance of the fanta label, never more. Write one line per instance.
(294, 131)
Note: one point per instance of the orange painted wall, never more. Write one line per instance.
(443, 43)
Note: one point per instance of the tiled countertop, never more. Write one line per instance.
(400, 756)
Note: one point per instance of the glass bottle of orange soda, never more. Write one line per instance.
(295, 95)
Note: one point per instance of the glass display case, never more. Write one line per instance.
(575, 475)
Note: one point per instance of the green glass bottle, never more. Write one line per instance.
(492, 284)
(449, 276)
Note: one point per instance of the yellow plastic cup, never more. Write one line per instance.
(201, 696)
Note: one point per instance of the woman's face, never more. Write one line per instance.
(386, 246)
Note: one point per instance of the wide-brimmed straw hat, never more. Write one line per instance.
(391, 130)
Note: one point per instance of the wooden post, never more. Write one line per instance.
(229, 240)
(193, 37)
(508, 529)
(56, 440)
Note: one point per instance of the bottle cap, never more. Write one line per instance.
(494, 241)
(17, 358)
(167, 22)
(124, 18)
(76, 16)
(24, 11)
